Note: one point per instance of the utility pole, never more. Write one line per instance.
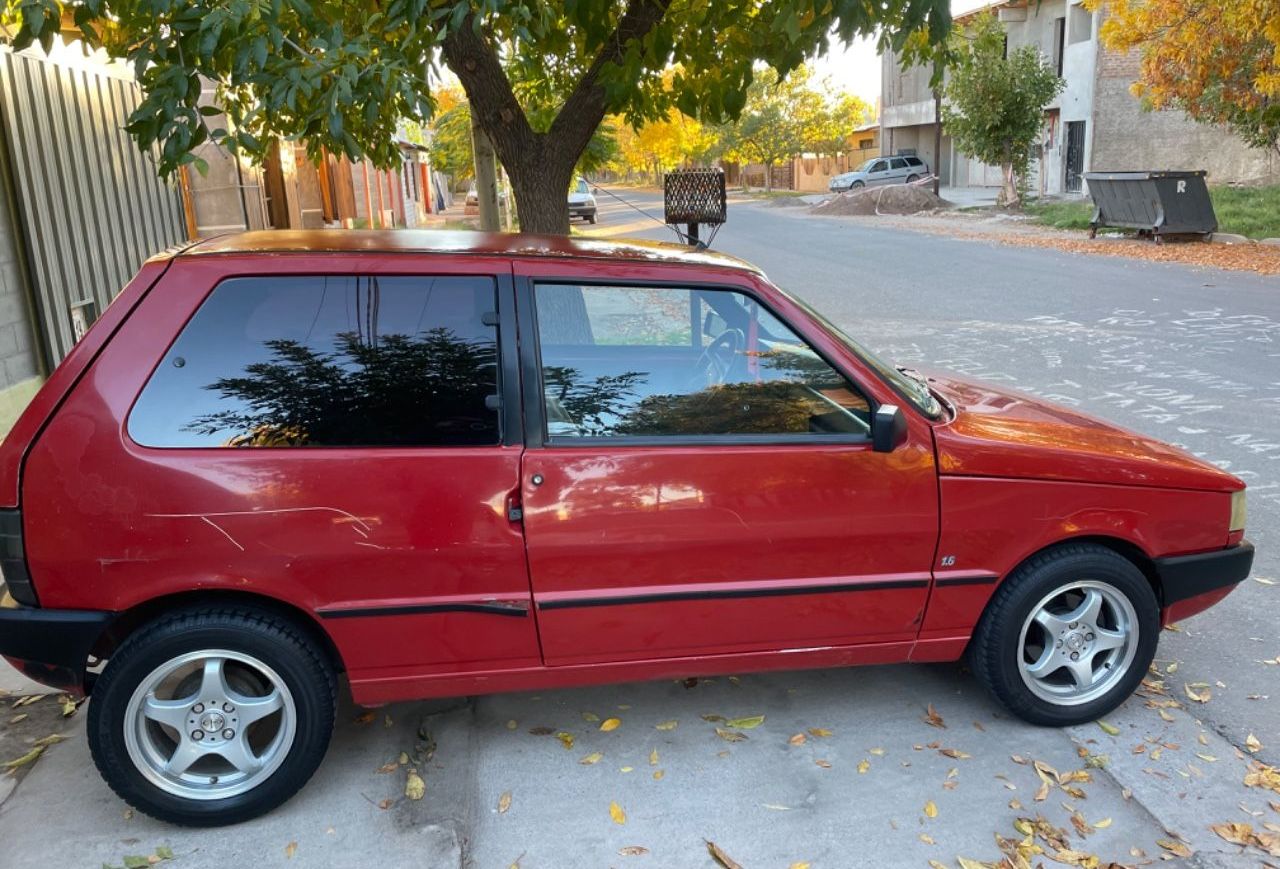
(937, 128)
(486, 176)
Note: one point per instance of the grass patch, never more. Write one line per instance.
(1066, 214)
(1249, 211)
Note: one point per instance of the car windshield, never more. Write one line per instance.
(582, 186)
(909, 385)
(866, 167)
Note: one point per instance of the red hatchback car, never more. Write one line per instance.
(454, 463)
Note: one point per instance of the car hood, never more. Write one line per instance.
(999, 433)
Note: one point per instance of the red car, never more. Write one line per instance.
(455, 463)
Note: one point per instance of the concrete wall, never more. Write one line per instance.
(20, 375)
(1124, 136)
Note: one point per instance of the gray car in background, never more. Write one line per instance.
(881, 170)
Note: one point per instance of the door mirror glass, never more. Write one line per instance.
(888, 428)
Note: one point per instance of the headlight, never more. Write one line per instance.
(1237, 511)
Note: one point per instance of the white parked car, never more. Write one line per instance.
(881, 170)
(581, 202)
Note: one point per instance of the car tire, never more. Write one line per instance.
(1040, 616)
(250, 663)
(591, 220)
(913, 178)
(857, 185)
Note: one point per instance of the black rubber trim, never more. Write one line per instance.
(659, 597)
(495, 609)
(1185, 576)
(54, 644)
(985, 579)
(13, 559)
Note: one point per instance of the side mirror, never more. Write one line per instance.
(888, 428)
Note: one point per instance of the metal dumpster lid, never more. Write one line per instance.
(1142, 175)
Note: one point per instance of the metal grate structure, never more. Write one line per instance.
(694, 196)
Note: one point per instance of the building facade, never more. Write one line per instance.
(1095, 124)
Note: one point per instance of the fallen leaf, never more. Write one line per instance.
(504, 802)
(389, 767)
(512, 724)
(1252, 743)
(541, 731)
(750, 723)
(68, 706)
(798, 739)
(799, 864)
(610, 724)
(590, 717)
(819, 732)
(1264, 580)
(1103, 824)
(15, 719)
(290, 850)
(954, 753)
(364, 717)
(414, 787)
(730, 735)
(593, 757)
(386, 804)
(712, 719)
(667, 725)
(931, 809)
(825, 764)
(932, 718)
(1175, 847)
(927, 839)
(1043, 793)
(387, 722)
(566, 739)
(626, 769)
(863, 766)
(653, 757)
(617, 814)
(633, 851)
(27, 758)
(658, 774)
(1109, 728)
(1202, 695)
(1017, 758)
(1207, 758)
(720, 856)
(878, 752)
(1236, 834)
(934, 864)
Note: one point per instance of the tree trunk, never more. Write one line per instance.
(541, 189)
(1009, 189)
(486, 177)
(768, 177)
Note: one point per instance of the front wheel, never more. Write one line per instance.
(212, 716)
(857, 185)
(1068, 637)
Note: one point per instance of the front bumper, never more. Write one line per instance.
(1183, 577)
(48, 645)
(582, 211)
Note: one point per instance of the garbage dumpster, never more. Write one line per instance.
(1154, 203)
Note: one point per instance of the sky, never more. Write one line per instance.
(856, 67)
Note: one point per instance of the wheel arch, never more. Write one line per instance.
(1126, 549)
(128, 621)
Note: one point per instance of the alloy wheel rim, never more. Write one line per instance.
(211, 724)
(1078, 642)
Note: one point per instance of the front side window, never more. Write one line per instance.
(879, 166)
(325, 361)
(657, 362)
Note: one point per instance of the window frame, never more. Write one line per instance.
(534, 390)
(510, 428)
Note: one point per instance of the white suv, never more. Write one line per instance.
(881, 170)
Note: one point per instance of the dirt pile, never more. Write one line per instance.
(893, 199)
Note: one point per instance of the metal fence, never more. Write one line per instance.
(90, 206)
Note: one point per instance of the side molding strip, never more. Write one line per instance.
(495, 609)
(660, 597)
(984, 579)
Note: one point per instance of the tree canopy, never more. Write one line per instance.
(995, 100)
(1216, 60)
(540, 74)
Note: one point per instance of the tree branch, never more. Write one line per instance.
(585, 108)
(475, 62)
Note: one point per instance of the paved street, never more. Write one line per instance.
(844, 770)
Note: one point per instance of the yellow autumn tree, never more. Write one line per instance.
(1217, 60)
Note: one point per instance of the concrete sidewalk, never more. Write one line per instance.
(843, 771)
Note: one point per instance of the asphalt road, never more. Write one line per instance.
(844, 771)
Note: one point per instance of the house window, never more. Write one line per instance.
(1081, 25)
(1059, 40)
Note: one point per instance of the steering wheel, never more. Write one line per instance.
(717, 358)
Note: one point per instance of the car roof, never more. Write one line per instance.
(456, 243)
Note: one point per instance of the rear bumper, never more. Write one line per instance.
(1187, 576)
(50, 646)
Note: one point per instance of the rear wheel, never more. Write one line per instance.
(1067, 637)
(212, 716)
(912, 178)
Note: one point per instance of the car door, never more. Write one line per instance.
(698, 477)
(324, 430)
(878, 173)
(897, 170)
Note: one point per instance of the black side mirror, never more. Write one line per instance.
(888, 428)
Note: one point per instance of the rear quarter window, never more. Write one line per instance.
(328, 361)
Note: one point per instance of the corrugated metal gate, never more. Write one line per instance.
(90, 206)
